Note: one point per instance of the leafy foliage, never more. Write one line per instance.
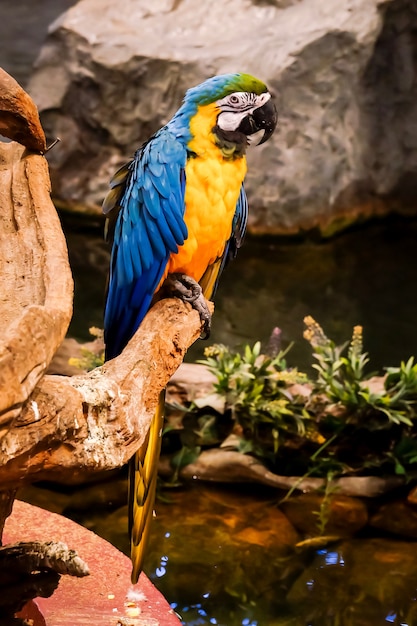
(339, 377)
(342, 421)
(261, 393)
(342, 380)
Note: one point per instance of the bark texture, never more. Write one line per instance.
(35, 278)
(32, 569)
(96, 421)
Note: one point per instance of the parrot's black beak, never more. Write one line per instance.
(264, 118)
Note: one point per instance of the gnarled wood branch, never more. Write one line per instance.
(32, 569)
(96, 421)
(35, 278)
(52, 426)
(19, 118)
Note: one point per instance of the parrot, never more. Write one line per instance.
(175, 215)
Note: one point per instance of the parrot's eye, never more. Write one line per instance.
(234, 99)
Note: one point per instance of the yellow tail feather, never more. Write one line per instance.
(143, 473)
(143, 467)
(210, 277)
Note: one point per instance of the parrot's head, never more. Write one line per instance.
(243, 106)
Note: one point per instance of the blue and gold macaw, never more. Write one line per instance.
(176, 213)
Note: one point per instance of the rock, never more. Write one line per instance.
(340, 516)
(227, 465)
(269, 527)
(412, 496)
(397, 517)
(193, 382)
(109, 75)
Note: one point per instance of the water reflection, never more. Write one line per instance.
(227, 555)
(217, 572)
(363, 583)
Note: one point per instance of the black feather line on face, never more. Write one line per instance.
(231, 141)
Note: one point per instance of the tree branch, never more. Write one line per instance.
(35, 278)
(19, 118)
(96, 421)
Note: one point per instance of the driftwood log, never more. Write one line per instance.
(96, 421)
(57, 427)
(32, 569)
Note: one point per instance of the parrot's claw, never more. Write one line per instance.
(187, 289)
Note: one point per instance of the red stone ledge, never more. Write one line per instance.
(106, 597)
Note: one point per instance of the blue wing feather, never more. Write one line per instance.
(151, 200)
(146, 223)
(161, 182)
(158, 244)
(240, 222)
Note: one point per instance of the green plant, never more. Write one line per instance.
(339, 376)
(262, 393)
(342, 378)
(401, 392)
(339, 422)
(365, 420)
(342, 421)
(325, 508)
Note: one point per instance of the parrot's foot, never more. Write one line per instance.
(187, 289)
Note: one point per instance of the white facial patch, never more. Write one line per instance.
(236, 106)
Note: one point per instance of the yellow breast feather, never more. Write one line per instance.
(213, 183)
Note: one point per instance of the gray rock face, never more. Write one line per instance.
(110, 74)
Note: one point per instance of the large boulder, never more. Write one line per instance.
(111, 73)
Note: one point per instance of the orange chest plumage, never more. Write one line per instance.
(213, 183)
